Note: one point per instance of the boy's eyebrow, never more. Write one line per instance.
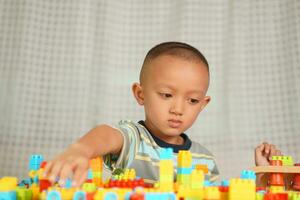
(165, 85)
(173, 88)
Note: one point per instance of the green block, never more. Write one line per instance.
(97, 174)
(295, 196)
(259, 196)
(89, 187)
(286, 160)
(183, 179)
(23, 193)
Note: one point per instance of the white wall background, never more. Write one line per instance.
(66, 66)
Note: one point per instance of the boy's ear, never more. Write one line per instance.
(138, 93)
(205, 101)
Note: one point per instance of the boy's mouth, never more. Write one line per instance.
(174, 123)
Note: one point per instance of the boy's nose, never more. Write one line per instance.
(177, 107)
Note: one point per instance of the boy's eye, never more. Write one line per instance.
(165, 95)
(193, 101)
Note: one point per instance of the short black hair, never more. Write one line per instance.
(177, 49)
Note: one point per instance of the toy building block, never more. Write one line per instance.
(276, 179)
(203, 168)
(9, 195)
(35, 191)
(53, 195)
(44, 184)
(184, 159)
(89, 187)
(96, 164)
(35, 161)
(196, 180)
(8, 183)
(211, 193)
(166, 154)
(248, 174)
(278, 196)
(286, 160)
(67, 193)
(166, 170)
(296, 180)
(23, 193)
(79, 195)
(295, 196)
(242, 189)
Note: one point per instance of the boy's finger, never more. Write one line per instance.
(272, 150)
(259, 149)
(83, 177)
(65, 173)
(48, 168)
(77, 176)
(55, 171)
(267, 148)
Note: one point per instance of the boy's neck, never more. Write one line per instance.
(186, 145)
(176, 140)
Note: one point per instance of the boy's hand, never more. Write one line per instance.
(264, 153)
(73, 162)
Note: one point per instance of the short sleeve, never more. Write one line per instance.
(131, 136)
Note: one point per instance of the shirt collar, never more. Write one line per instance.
(185, 146)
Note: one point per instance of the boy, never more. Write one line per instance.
(173, 83)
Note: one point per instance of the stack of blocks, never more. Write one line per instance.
(166, 166)
(190, 184)
(96, 166)
(184, 167)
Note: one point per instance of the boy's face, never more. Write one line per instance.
(173, 94)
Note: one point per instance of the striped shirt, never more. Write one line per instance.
(141, 151)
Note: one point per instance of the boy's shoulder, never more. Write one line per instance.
(199, 149)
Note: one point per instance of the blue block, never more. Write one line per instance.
(111, 196)
(248, 174)
(68, 183)
(90, 174)
(225, 182)
(166, 154)
(10, 195)
(26, 182)
(79, 195)
(127, 196)
(35, 161)
(159, 196)
(184, 170)
(207, 183)
(53, 195)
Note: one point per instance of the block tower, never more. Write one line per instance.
(96, 166)
(166, 170)
(184, 168)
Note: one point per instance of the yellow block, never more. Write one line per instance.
(35, 191)
(242, 189)
(276, 189)
(96, 164)
(8, 183)
(184, 159)
(197, 179)
(211, 193)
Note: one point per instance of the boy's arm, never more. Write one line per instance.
(74, 160)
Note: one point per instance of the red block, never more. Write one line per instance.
(276, 179)
(44, 184)
(276, 196)
(296, 181)
(136, 196)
